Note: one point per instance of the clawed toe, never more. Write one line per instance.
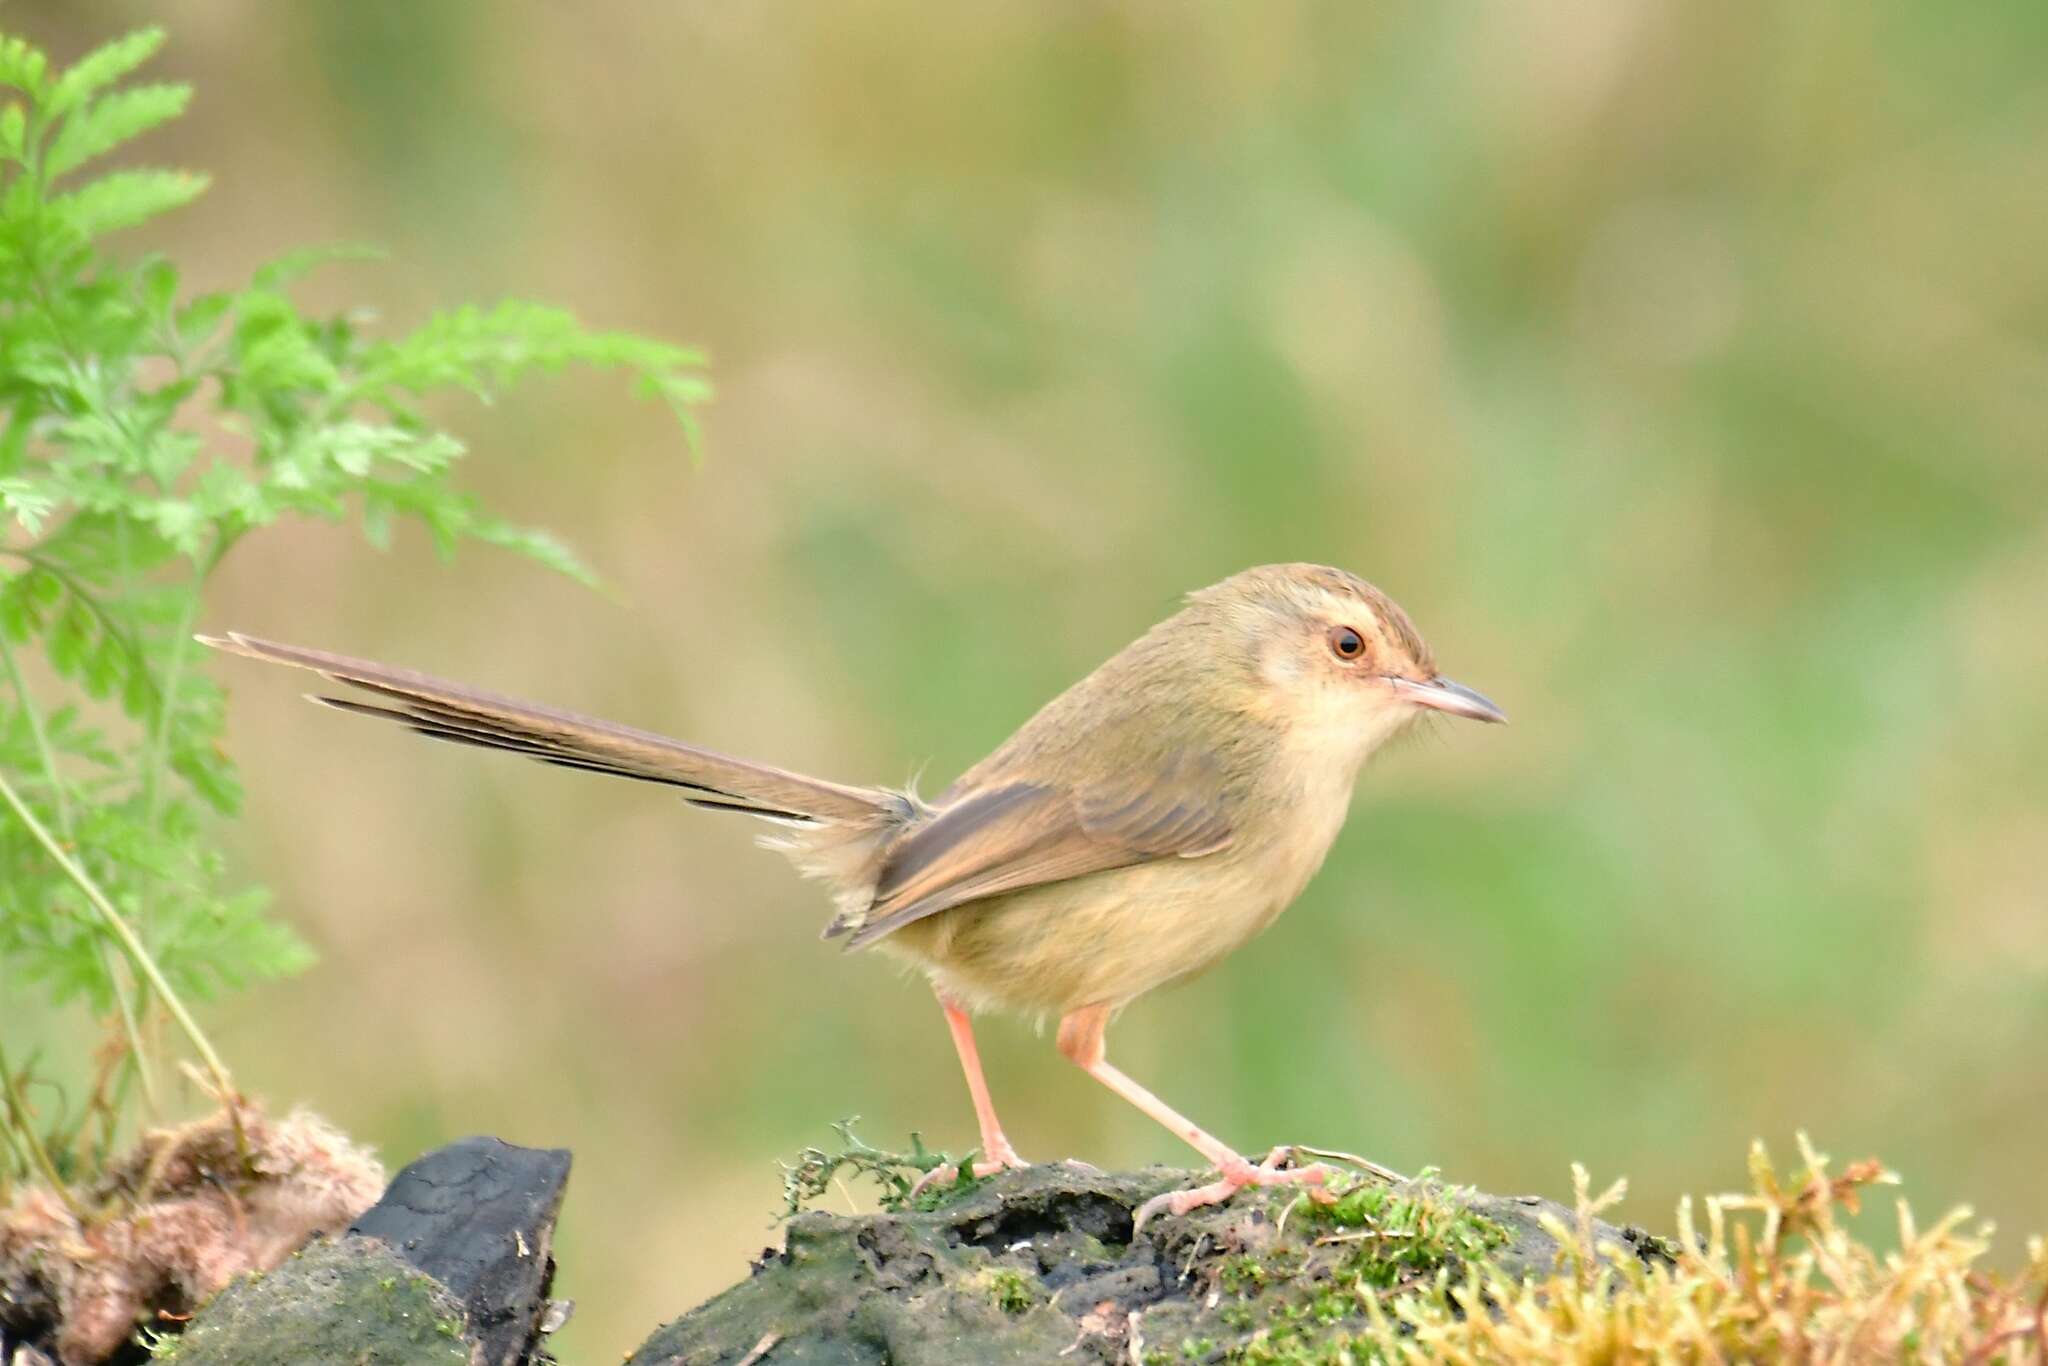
(1276, 1170)
(1236, 1176)
(981, 1170)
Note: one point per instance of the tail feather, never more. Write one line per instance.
(444, 710)
(711, 799)
(436, 724)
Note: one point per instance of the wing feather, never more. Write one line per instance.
(1015, 835)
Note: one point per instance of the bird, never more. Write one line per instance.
(1138, 829)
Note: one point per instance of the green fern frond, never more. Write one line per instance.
(100, 68)
(100, 127)
(124, 199)
(23, 66)
(120, 495)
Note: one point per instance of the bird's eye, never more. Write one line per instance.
(1346, 643)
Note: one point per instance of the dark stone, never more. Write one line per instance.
(450, 1268)
(479, 1217)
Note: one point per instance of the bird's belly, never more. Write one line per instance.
(1102, 939)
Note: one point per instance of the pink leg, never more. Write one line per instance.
(996, 1152)
(1081, 1040)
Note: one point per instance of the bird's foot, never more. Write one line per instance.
(1002, 1158)
(1278, 1169)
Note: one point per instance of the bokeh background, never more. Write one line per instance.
(1683, 369)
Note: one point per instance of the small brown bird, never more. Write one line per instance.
(1145, 823)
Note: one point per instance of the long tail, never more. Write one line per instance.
(449, 711)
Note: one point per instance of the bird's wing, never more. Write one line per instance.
(1012, 835)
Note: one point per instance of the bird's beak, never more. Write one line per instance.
(1446, 696)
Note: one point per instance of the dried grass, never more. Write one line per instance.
(1774, 1276)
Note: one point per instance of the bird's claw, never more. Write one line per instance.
(947, 1173)
(1277, 1170)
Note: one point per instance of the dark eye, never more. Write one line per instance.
(1346, 643)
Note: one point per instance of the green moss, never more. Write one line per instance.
(1302, 1300)
(1044, 1265)
(1022, 1267)
(351, 1300)
(1011, 1289)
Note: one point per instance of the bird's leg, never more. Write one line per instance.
(1081, 1040)
(996, 1152)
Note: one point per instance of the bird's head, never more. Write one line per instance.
(1333, 658)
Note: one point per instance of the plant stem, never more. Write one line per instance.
(42, 737)
(18, 1119)
(159, 741)
(120, 929)
(131, 1025)
(124, 996)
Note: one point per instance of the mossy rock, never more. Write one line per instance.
(351, 1300)
(1042, 1265)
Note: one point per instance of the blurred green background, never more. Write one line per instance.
(1682, 369)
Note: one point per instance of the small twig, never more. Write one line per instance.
(131, 1024)
(1365, 1234)
(1280, 1225)
(1188, 1267)
(1364, 1164)
(10, 1148)
(18, 1119)
(1988, 1348)
(761, 1349)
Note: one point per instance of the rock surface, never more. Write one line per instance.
(1042, 1265)
(351, 1300)
(450, 1268)
(479, 1217)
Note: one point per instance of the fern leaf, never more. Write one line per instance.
(100, 68)
(481, 348)
(26, 503)
(535, 545)
(13, 133)
(114, 398)
(295, 265)
(125, 198)
(103, 125)
(22, 66)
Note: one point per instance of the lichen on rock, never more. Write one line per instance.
(350, 1299)
(1043, 1265)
